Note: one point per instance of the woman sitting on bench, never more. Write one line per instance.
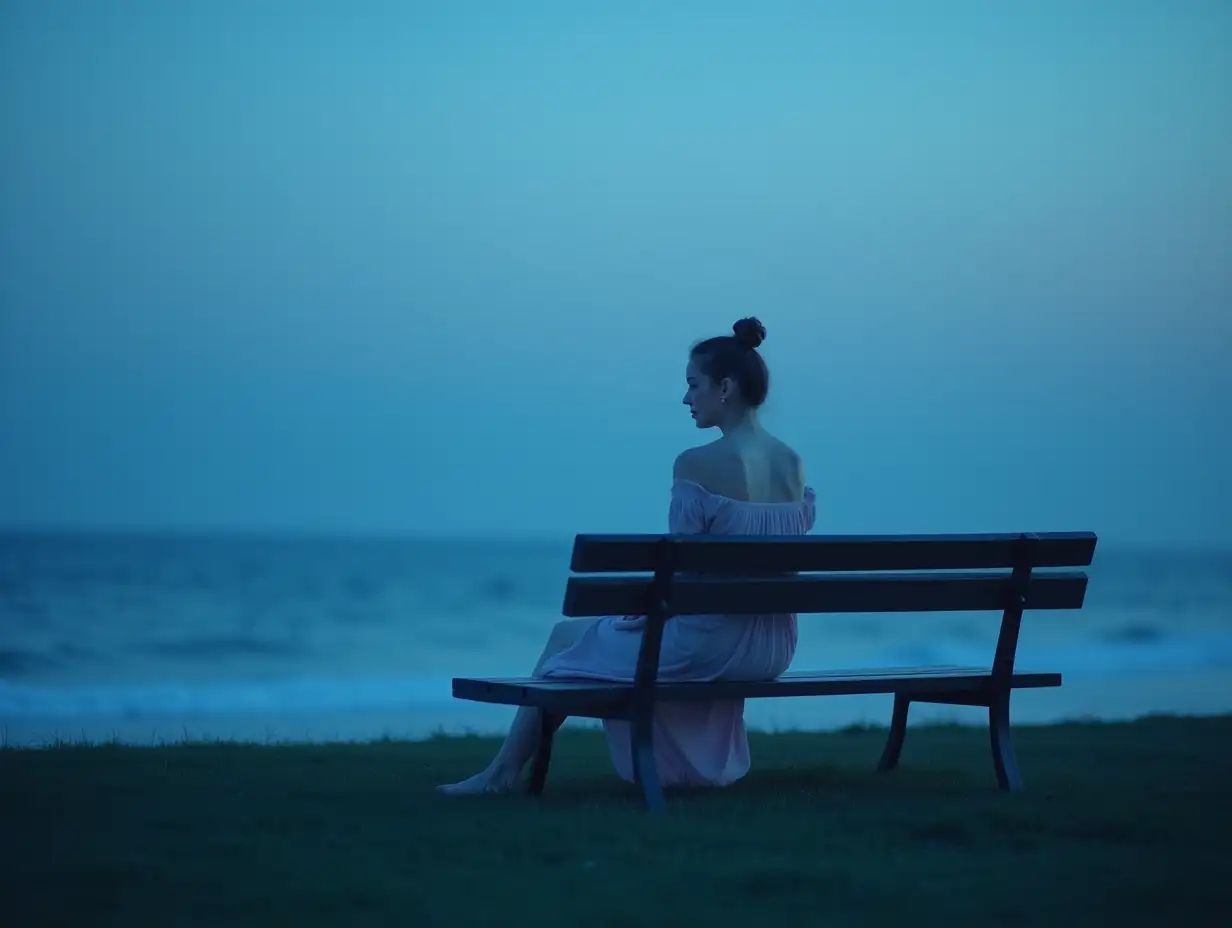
(745, 483)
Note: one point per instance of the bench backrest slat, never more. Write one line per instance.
(808, 553)
(825, 593)
(753, 575)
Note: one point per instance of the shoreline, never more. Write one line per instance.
(1087, 699)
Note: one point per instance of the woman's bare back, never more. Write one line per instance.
(755, 467)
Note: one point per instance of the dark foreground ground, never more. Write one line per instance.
(1121, 824)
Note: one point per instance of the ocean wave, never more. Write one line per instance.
(1106, 655)
(157, 699)
(127, 700)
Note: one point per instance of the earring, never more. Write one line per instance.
(723, 400)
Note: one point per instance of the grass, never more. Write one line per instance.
(1120, 822)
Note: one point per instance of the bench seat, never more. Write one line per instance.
(601, 699)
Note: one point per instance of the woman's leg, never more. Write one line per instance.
(523, 738)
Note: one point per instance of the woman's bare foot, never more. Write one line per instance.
(492, 780)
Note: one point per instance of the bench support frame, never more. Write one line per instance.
(645, 773)
(641, 712)
(996, 697)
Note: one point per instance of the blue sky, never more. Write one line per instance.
(435, 268)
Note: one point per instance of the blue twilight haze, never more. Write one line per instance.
(434, 268)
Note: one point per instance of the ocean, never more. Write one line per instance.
(146, 639)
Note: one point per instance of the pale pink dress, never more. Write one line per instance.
(696, 743)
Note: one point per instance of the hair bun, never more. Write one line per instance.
(750, 332)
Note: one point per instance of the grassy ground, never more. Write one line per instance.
(1126, 822)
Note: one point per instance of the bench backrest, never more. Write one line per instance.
(699, 574)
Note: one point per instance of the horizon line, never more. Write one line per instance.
(407, 536)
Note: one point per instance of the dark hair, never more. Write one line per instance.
(736, 356)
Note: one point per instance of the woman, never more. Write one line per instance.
(745, 483)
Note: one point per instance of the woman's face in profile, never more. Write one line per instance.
(702, 396)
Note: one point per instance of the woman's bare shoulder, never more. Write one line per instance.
(786, 468)
(790, 463)
(722, 469)
(717, 467)
(698, 464)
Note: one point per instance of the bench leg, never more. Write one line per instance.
(1003, 759)
(898, 731)
(645, 773)
(548, 724)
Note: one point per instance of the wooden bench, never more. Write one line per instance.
(661, 576)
